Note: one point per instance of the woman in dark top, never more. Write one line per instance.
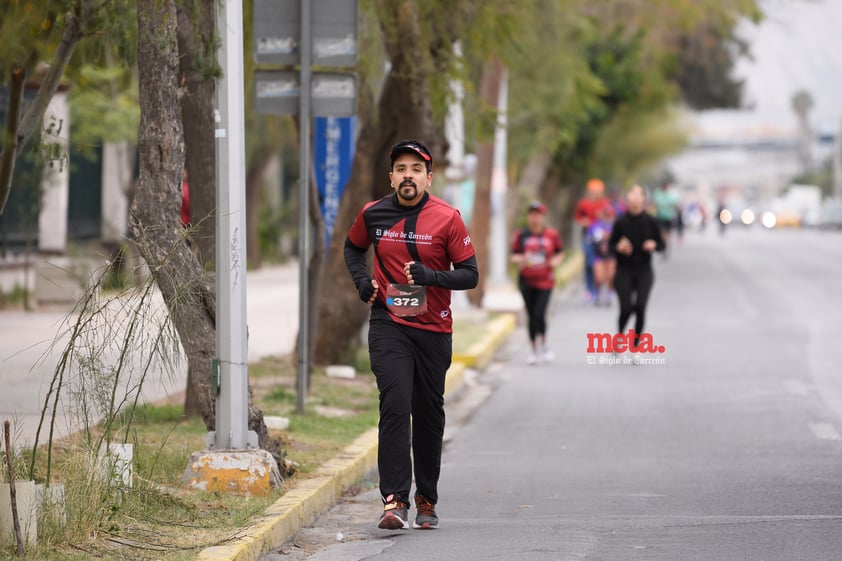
(634, 237)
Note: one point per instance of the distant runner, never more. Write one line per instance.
(634, 237)
(537, 250)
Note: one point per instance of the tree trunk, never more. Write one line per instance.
(314, 271)
(403, 112)
(254, 197)
(197, 69)
(195, 32)
(155, 212)
(154, 218)
(492, 76)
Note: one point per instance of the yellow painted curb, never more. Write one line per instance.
(301, 505)
(311, 497)
(479, 354)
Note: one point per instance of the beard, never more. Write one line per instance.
(407, 190)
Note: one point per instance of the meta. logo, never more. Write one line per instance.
(622, 342)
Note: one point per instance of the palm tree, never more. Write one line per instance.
(802, 102)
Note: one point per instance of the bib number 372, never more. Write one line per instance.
(405, 300)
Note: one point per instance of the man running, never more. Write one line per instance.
(416, 238)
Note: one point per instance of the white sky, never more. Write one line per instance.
(798, 45)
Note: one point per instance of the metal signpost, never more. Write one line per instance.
(305, 33)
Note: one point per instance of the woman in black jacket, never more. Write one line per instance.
(634, 237)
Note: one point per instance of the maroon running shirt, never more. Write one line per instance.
(537, 250)
(431, 232)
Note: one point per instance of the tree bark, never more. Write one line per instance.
(155, 218)
(254, 197)
(11, 139)
(492, 75)
(197, 70)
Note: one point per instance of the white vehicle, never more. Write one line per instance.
(799, 205)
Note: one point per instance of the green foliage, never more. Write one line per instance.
(587, 75)
(99, 111)
(272, 224)
(13, 298)
(632, 142)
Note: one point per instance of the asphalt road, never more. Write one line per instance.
(729, 450)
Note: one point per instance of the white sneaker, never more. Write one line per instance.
(547, 355)
(531, 358)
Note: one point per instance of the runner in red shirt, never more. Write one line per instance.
(416, 238)
(537, 250)
(585, 214)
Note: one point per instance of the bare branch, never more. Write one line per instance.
(35, 113)
(7, 157)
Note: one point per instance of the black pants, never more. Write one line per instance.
(536, 300)
(410, 367)
(633, 287)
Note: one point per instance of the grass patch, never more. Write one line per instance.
(158, 518)
(466, 333)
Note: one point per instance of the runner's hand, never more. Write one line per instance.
(418, 273)
(624, 246)
(368, 291)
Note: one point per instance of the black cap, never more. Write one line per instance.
(537, 206)
(411, 147)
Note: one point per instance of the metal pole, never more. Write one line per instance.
(499, 188)
(231, 339)
(304, 206)
(837, 163)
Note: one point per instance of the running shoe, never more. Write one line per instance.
(426, 518)
(531, 358)
(547, 356)
(394, 515)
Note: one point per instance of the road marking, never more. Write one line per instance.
(824, 431)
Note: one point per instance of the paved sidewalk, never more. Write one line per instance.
(31, 345)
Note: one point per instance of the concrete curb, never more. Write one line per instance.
(311, 497)
(479, 354)
(302, 504)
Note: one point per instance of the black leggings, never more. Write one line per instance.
(537, 300)
(637, 282)
(410, 365)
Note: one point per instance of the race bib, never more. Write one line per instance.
(534, 258)
(405, 300)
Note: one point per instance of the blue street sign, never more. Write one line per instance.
(333, 151)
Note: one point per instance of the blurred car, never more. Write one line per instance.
(784, 219)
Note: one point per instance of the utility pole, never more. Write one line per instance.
(837, 163)
(232, 461)
(231, 341)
